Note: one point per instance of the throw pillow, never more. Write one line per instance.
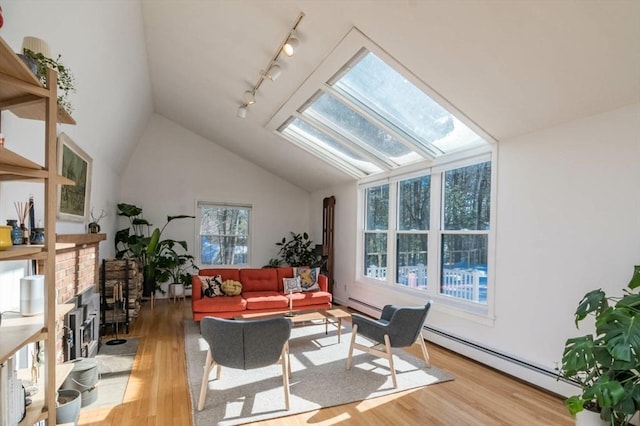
(231, 288)
(211, 286)
(308, 278)
(291, 285)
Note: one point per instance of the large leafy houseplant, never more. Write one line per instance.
(176, 266)
(298, 251)
(140, 243)
(606, 364)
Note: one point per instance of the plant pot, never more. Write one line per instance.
(69, 404)
(589, 418)
(176, 290)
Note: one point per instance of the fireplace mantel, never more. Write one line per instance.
(80, 239)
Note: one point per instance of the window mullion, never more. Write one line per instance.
(392, 234)
(435, 239)
(366, 151)
(375, 120)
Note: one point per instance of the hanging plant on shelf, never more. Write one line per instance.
(66, 80)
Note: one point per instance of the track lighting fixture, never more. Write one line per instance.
(290, 46)
(273, 70)
(273, 73)
(249, 97)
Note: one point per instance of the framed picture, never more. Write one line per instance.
(74, 164)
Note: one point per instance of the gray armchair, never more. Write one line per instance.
(397, 327)
(246, 345)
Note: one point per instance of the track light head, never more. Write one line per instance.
(290, 46)
(273, 72)
(249, 97)
(242, 112)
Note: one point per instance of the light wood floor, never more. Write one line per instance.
(157, 393)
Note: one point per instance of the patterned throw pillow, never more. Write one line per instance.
(308, 278)
(211, 286)
(291, 285)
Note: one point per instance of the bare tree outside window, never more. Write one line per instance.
(224, 234)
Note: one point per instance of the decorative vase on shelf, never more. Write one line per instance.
(16, 232)
(5, 237)
(94, 228)
(38, 236)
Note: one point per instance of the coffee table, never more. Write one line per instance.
(332, 316)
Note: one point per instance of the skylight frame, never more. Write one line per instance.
(353, 46)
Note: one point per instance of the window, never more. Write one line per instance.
(366, 114)
(462, 200)
(412, 234)
(376, 229)
(223, 234)
(465, 232)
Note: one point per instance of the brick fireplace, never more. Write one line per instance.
(77, 279)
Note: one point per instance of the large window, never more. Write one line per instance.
(223, 234)
(454, 249)
(366, 114)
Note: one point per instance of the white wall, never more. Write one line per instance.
(567, 222)
(172, 168)
(103, 45)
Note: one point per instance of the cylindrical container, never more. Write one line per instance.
(32, 295)
(84, 377)
(16, 232)
(5, 237)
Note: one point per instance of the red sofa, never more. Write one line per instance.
(262, 291)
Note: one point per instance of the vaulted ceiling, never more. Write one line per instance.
(510, 67)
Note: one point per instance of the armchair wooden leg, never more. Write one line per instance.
(425, 353)
(387, 344)
(208, 365)
(286, 372)
(354, 331)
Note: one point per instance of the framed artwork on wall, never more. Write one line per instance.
(74, 164)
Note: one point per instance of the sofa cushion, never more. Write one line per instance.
(308, 278)
(265, 300)
(211, 286)
(310, 298)
(284, 272)
(265, 279)
(219, 304)
(291, 285)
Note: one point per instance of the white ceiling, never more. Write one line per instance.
(512, 67)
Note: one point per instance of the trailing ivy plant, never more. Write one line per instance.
(66, 80)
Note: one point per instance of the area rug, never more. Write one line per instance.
(319, 378)
(114, 367)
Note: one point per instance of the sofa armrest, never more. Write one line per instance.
(323, 282)
(196, 288)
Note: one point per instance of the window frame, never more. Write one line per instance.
(482, 313)
(197, 235)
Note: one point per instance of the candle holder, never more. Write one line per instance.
(290, 313)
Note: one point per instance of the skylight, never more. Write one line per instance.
(368, 118)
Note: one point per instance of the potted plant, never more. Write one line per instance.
(606, 363)
(66, 80)
(176, 268)
(298, 251)
(140, 243)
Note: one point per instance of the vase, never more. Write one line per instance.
(38, 236)
(5, 237)
(16, 232)
(94, 228)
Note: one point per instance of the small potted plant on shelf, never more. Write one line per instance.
(606, 364)
(94, 225)
(66, 80)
